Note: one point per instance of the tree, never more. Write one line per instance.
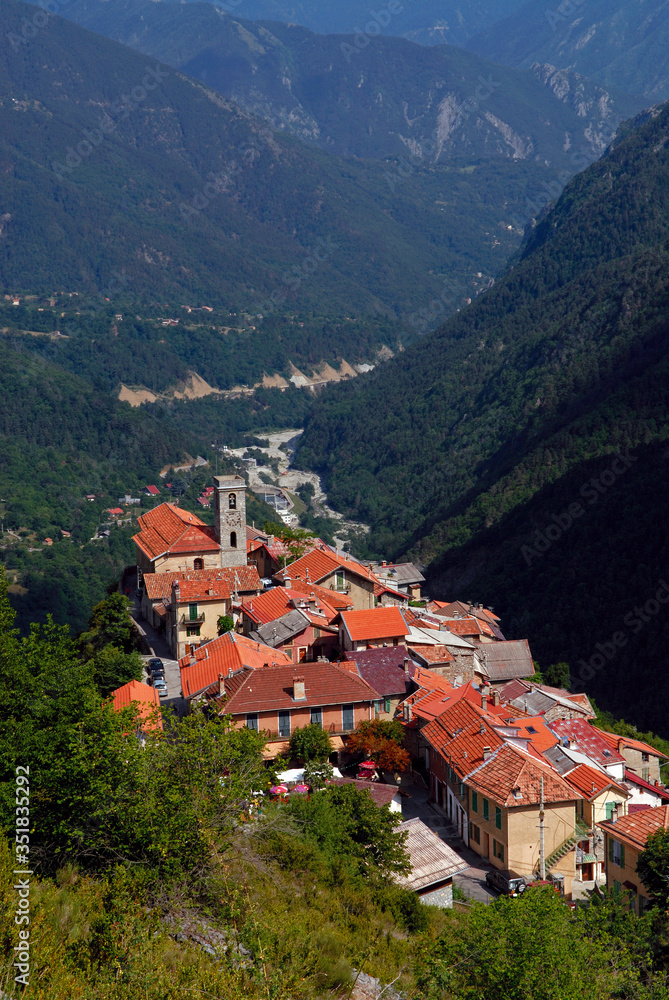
(653, 868)
(311, 743)
(558, 675)
(296, 540)
(317, 774)
(347, 823)
(112, 668)
(381, 740)
(225, 623)
(110, 624)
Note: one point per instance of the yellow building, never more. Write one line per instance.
(625, 839)
(602, 796)
(324, 567)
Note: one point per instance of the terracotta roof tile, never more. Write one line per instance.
(168, 528)
(377, 623)
(242, 578)
(589, 781)
(142, 694)
(202, 590)
(513, 778)
(433, 654)
(230, 652)
(278, 601)
(588, 740)
(536, 730)
(340, 602)
(322, 562)
(635, 828)
(617, 742)
(271, 688)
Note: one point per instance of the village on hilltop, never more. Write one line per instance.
(531, 787)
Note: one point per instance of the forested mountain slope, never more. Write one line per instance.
(543, 381)
(621, 43)
(388, 98)
(190, 197)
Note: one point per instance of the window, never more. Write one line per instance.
(475, 833)
(616, 886)
(486, 809)
(645, 773)
(233, 539)
(347, 722)
(339, 579)
(252, 721)
(498, 850)
(644, 757)
(232, 501)
(301, 654)
(192, 630)
(192, 612)
(498, 817)
(377, 707)
(316, 717)
(386, 705)
(475, 802)
(616, 853)
(284, 724)
(198, 564)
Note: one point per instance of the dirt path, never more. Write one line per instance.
(291, 479)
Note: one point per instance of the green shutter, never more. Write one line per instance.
(610, 850)
(622, 855)
(475, 802)
(485, 809)
(498, 817)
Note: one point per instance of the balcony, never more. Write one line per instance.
(188, 620)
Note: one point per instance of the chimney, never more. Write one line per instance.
(406, 666)
(221, 686)
(486, 752)
(484, 699)
(299, 693)
(482, 728)
(495, 698)
(614, 813)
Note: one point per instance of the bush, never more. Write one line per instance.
(311, 743)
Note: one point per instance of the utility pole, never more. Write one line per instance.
(542, 852)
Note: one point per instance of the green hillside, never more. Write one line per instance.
(614, 42)
(438, 104)
(552, 373)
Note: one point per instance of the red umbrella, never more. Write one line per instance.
(301, 789)
(278, 790)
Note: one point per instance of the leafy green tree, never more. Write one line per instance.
(112, 668)
(317, 774)
(225, 623)
(558, 675)
(110, 624)
(310, 743)
(296, 540)
(347, 823)
(653, 868)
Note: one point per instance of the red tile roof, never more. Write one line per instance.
(635, 828)
(168, 528)
(626, 741)
(142, 694)
(271, 688)
(114, 510)
(276, 602)
(513, 778)
(201, 590)
(536, 730)
(377, 623)
(588, 740)
(380, 589)
(631, 775)
(153, 490)
(460, 734)
(468, 626)
(340, 602)
(229, 653)
(319, 563)
(241, 578)
(590, 782)
(433, 654)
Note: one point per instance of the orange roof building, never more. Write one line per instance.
(227, 654)
(327, 569)
(376, 627)
(143, 695)
(174, 540)
(624, 840)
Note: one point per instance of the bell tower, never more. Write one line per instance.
(230, 519)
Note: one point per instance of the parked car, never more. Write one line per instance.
(160, 686)
(155, 664)
(506, 882)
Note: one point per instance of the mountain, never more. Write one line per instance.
(621, 43)
(550, 390)
(430, 22)
(392, 98)
(189, 198)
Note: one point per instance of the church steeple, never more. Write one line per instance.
(230, 519)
